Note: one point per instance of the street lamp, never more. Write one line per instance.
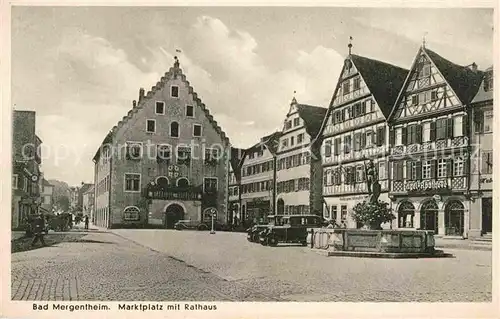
(213, 214)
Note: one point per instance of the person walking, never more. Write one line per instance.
(86, 222)
(38, 227)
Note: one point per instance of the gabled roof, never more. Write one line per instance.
(481, 94)
(175, 72)
(270, 142)
(384, 80)
(85, 187)
(313, 117)
(464, 82)
(237, 154)
(46, 183)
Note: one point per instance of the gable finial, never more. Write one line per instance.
(423, 39)
(176, 62)
(350, 45)
(294, 101)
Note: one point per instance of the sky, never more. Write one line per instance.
(80, 68)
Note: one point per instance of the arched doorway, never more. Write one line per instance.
(454, 218)
(173, 214)
(280, 207)
(429, 216)
(406, 215)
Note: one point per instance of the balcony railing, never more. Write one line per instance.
(457, 142)
(359, 187)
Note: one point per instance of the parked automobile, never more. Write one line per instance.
(196, 224)
(293, 229)
(254, 231)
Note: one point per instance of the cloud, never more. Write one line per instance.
(90, 82)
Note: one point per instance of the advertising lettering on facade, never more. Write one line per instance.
(423, 185)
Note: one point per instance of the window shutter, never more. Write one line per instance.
(343, 115)
(433, 169)
(465, 126)
(357, 141)
(380, 135)
(328, 149)
(449, 167)
(404, 135)
(363, 140)
(449, 127)
(353, 111)
(433, 131)
(347, 177)
(363, 108)
(325, 181)
(347, 144)
(353, 174)
(466, 166)
(419, 133)
(392, 137)
(374, 138)
(336, 147)
(400, 171)
(408, 170)
(418, 169)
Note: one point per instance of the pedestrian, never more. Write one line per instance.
(331, 224)
(86, 222)
(38, 227)
(343, 224)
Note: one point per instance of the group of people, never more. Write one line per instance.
(37, 226)
(333, 224)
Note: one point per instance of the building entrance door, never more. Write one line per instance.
(486, 207)
(173, 214)
(429, 216)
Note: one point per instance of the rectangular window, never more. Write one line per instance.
(132, 182)
(359, 174)
(434, 95)
(347, 144)
(487, 162)
(426, 70)
(382, 170)
(414, 100)
(458, 126)
(164, 152)
(284, 143)
(488, 121)
(356, 85)
(209, 184)
(292, 141)
(426, 136)
(426, 169)
(196, 130)
(328, 148)
(211, 155)
(134, 150)
(368, 106)
(458, 166)
(343, 212)
(346, 87)
(399, 136)
(160, 107)
(300, 138)
(183, 155)
(357, 141)
(15, 181)
(174, 91)
(336, 146)
(288, 125)
(441, 168)
(441, 129)
(369, 139)
(296, 121)
(189, 111)
(151, 126)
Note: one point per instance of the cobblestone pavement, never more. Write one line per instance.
(300, 274)
(108, 267)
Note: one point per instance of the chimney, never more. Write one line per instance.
(134, 103)
(141, 94)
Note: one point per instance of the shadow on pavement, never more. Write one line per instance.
(24, 243)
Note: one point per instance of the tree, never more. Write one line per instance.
(62, 203)
(372, 214)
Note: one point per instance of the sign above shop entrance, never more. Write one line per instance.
(423, 185)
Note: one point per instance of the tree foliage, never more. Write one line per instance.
(372, 214)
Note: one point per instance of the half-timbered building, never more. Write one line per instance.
(258, 178)
(355, 131)
(299, 172)
(431, 146)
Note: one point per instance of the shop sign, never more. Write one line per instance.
(426, 185)
(351, 198)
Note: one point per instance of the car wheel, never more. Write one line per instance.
(304, 243)
(264, 242)
(202, 227)
(272, 242)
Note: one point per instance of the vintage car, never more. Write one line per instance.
(196, 224)
(254, 231)
(293, 229)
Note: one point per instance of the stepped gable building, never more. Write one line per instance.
(431, 150)
(258, 178)
(299, 170)
(166, 160)
(234, 192)
(354, 131)
(481, 175)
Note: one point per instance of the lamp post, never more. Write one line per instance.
(213, 214)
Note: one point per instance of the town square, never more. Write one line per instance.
(224, 154)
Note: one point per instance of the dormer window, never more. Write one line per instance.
(296, 121)
(174, 91)
(160, 107)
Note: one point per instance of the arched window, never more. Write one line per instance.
(162, 181)
(182, 182)
(429, 216)
(328, 177)
(131, 213)
(454, 218)
(406, 214)
(174, 129)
